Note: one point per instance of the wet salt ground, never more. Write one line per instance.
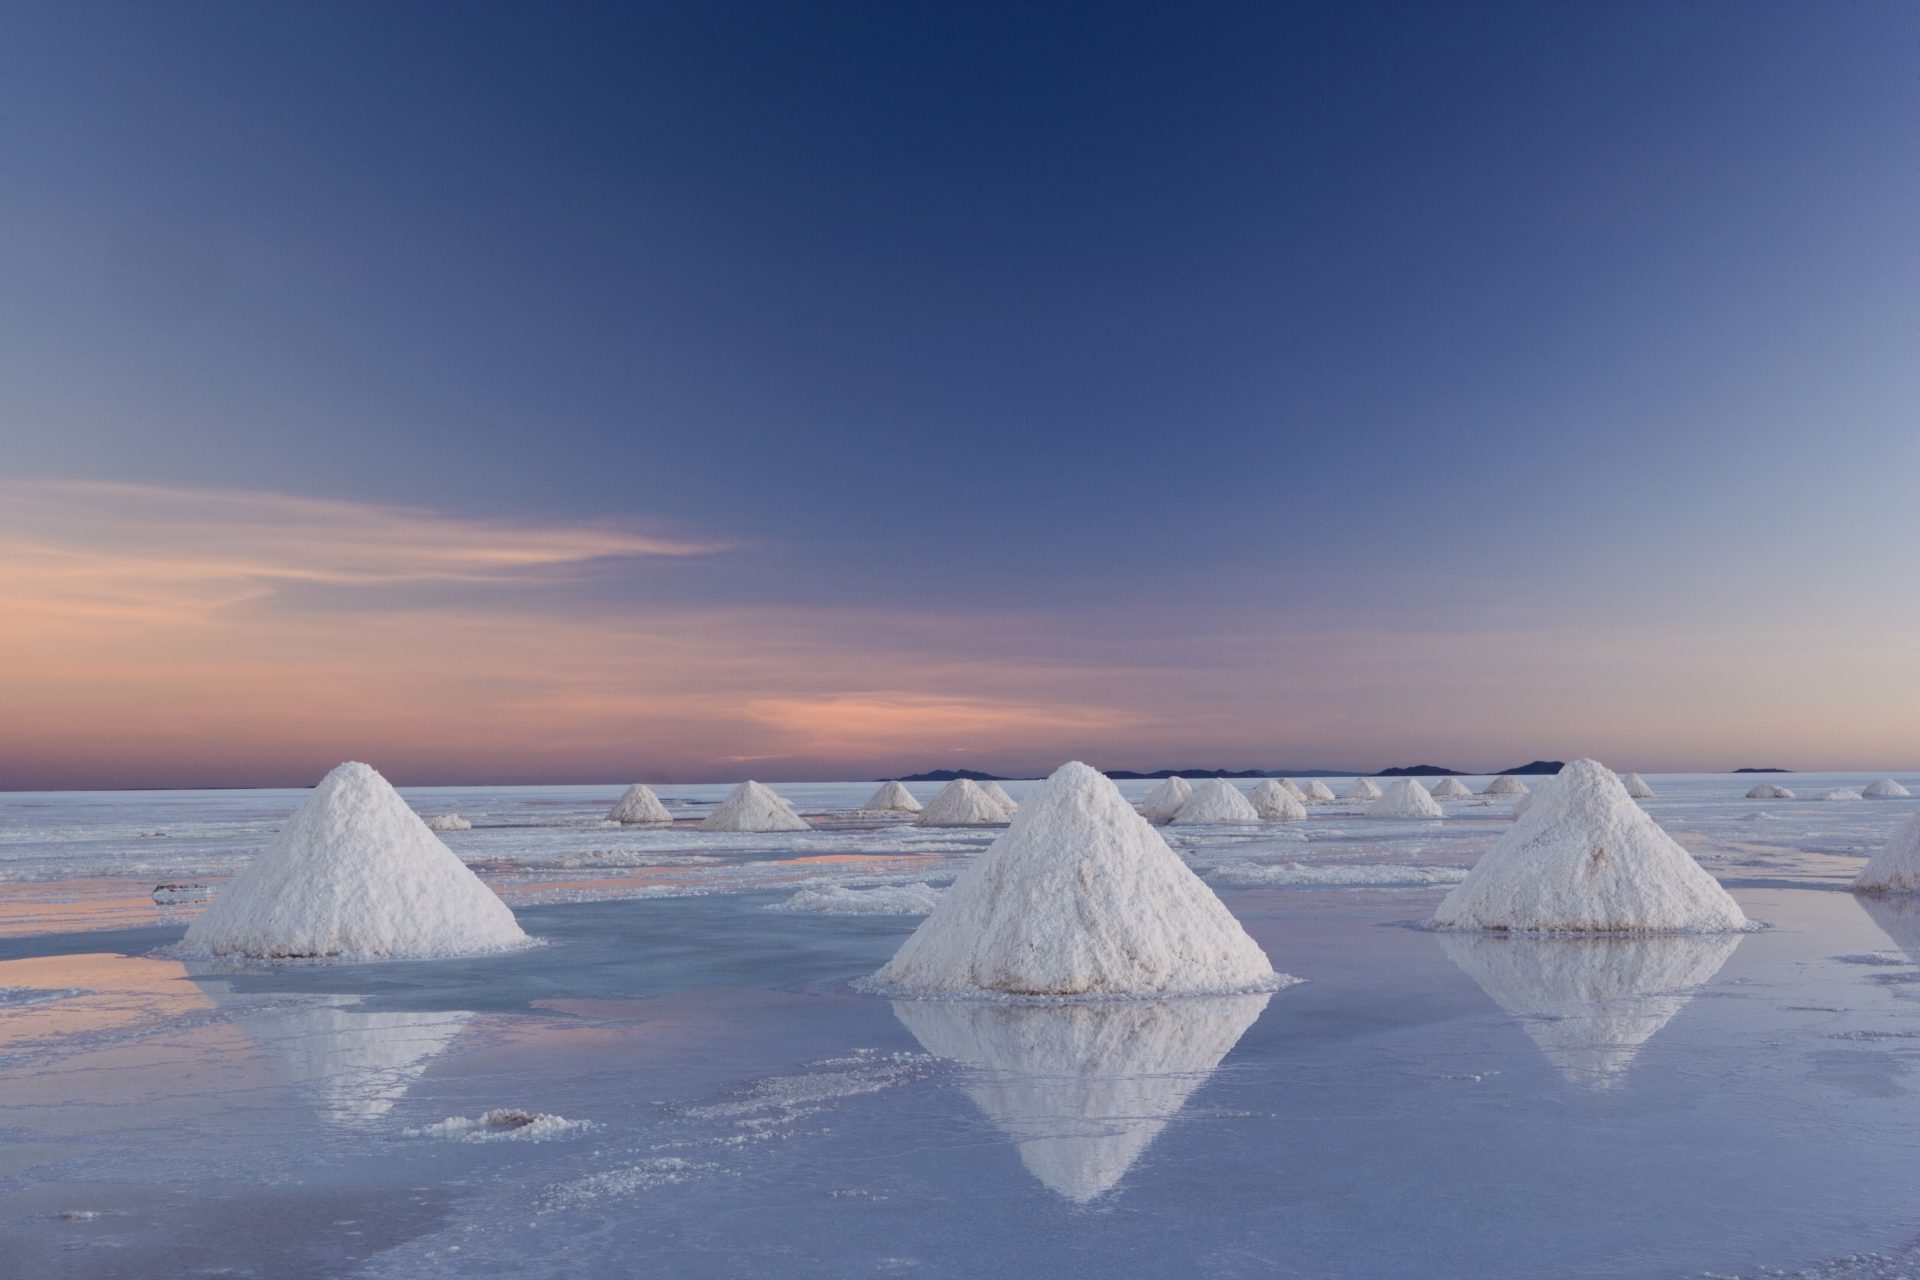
(1413, 1109)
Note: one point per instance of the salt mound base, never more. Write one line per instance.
(1405, 799)
(355, 873)
(892, 798)
(1318, 792)
(1586, 858)
(448, 822)
(1505, 785)
(1082, 1089)
(1080, 897)
(1886, 788)
(1837, 793)
(1362, 789)
(1637, 786)
(998, 794)
(961, 803)
(638, 804)
(1216, 800)
(1591, 1003)
(1451, 789)
(1895, 868)
(1273, 803)
(1769, 791)
(1166, 800)
(754, 807)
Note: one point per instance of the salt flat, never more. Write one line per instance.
(1423, 1104)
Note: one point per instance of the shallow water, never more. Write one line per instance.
(1423, 1105)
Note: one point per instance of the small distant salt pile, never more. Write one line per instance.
(1362, 789)
(1405, 799)
(1081, 897)
(1526, 801)
(892, 798)
(1274, 803)
(1451, 789)
(885, 900)
(638, 805)
(1160, 804)
(1586, 858)
(1636, 786)
(354, 872)
(1318, 792)
(961, 803)
(1896, 868)
(1769, 791)
(754, 807)
(1505, 785)
(1216, 800)
(1287, 785)
(1885, 789)
(998, 794)
(1837, 793)
(448, 822)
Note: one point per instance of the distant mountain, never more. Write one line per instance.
(1125, 775)
(1418, 771)
(1539, 766)
(1763, 771)
(947, 775)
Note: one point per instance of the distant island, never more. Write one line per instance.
(947, 775)
(1763, 771)
(1399, 771)
(1539, 766)
(1418, 771)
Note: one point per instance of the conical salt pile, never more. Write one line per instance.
(1080, 897)
(1886, 789)
(1505, 785)
(1287, 785)
(752, 806)
(1318, 792)
(1532, 797)
(961, 803)
(448, 822)
(998, 794)
(1451, 789)
(1586, 858)
(1405, 799)
(1275, 804)
(1362, 789)
(1769, 791)
(1216, 800)
(1636, 786)
(355, 873)
(892, 798)
(1164, 801)
(1896, 868)
(1082, 1089)
(637, 805)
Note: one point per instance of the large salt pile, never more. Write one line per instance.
(961, 803)
(1161, 803)
(1362, 789)
(1769, 791)
(1275, 804)
(1287, 785)
(1318, 792)
(1451, 789)
(1636, 786)
(1586, 858)
(354, 872)
(754, 807)
(892, 798)
(1080, 897)
(637, 805)
(1505, 785)
(1216, 800)
(998, 794)
(1405, 799)
(1886, 789)
(1082, 1089)
(1895, 868)
(448, 822)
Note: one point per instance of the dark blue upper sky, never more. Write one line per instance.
(1260, 312)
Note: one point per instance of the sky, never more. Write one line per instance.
(688, 392)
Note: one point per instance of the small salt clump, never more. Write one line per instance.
(1405, 799)
(1274, 803)
(998, 794)
(1886, 789)
(1318, 792)
(1164, 801)
(1895, 868)
(448, 822)
(754, 807)
(1505, 785)
(1769, 791)
(1636, 786)
(638, 805)
(1362, 789)
(961, 803)
(1451, 789)
(1216, 800)
(1287, 785)
(892, 798)
(1837, 793)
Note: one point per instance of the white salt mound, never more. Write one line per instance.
(1837, 793)
(1505, 785)
(448, 822)
(1451, 789)
(892, 798)
(998, 794)
(1362, 789)
(1287, 785)
(1896, 868)
(1769, 791)
(1274, 803)
(355, 873)
(886, 900)
(1405, 799)
(961, 803)
(1080, 897)
(754, 807)
(1318, 792)
(636, 805)
(1541, 788)
(1164, 801)
(1884, 789)
(1637, 786)
(1216, 800)
(1586, 858)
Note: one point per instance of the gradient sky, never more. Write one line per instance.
(587, 393)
